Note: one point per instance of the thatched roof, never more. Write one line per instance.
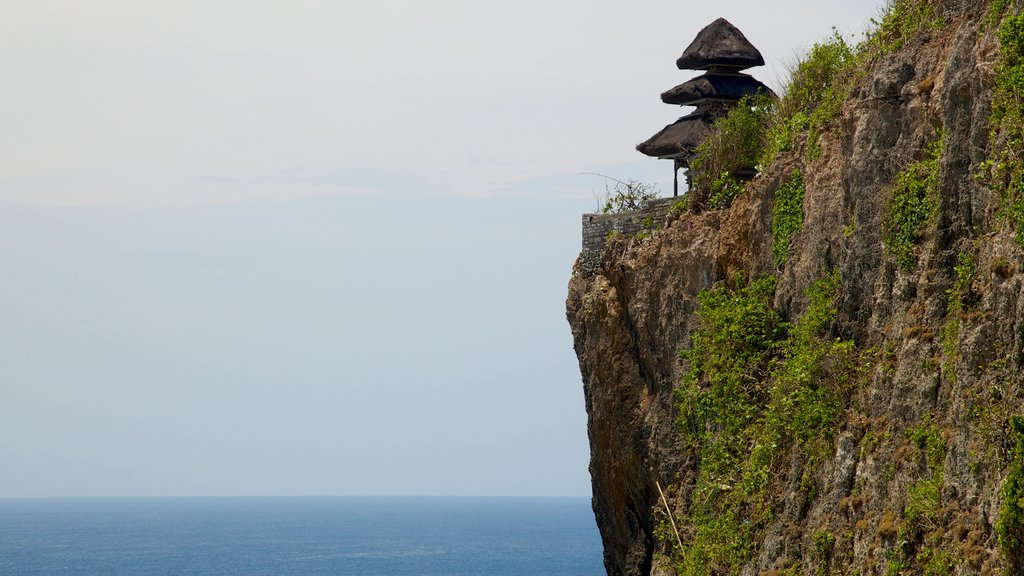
(715, 86)
(678, 140)
(720, 44)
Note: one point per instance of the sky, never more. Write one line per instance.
(320, 248)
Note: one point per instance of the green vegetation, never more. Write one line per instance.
(791, 570)
(762, 392)
(1010, 526)
(729, 356)
(996, 10)
(736, 142)
(822, 81)
(913, 206)
(823, 545)
(1005, 168)
(757, 389)
(904, 20)
(820, 85)
(921, 509)
(648, 228)
(956, 297)
(919, 537)
(757, 131)
(678, 208)
(788, 215)
(626, 196)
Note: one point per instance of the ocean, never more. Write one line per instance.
(298, 536)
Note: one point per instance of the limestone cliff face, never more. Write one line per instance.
(633, 313)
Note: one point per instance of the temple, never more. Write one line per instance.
(723, 52)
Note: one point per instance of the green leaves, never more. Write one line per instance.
(787, 215)
(913, 206)
(904, 20)
(736, 143)
(819, 81)
(819, 86)
(627, 196)
(728, 356)
(1010, 526)
(1006, 123)
(757, 387)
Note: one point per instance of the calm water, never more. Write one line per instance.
(298, 536)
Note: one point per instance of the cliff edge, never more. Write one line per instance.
(834, 388)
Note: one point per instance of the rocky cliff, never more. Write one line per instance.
(842, 401)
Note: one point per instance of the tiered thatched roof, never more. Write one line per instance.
(714, 86)
(722, 50)
(720, 44)
(677, 140)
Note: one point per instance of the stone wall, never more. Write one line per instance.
(597, 227)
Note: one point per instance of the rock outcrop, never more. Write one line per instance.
(939, 341)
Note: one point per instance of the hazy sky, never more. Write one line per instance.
(315, 247)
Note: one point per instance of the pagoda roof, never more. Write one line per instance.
(679, 139)
(720, 44)
(715, 86)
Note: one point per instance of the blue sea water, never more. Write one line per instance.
(299, 536)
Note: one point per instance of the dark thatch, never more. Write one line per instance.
(720, 44)
(679, 139)
(715, 86)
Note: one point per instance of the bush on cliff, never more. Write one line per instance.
(818, 86)
(736, 143)
(626, 196)
(757, 388)
(787, 215)
(913, 206)
(1011, 516)
(1005, 169)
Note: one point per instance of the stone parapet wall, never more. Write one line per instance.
(597, 227)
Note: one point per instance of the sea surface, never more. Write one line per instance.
(299, 536)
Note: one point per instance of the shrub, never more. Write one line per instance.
(728, 355)
(815, 78)
(736, 143)
(822, 81)
(957, 297)
(1006, 165)
(756, 388)
(627, 196)
(924, 495)
(1010, 526)
(903, 20)
(913, 205)
(818, 86)
(721, 395)
(995, 11)
(787, 215)
(920, 534)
